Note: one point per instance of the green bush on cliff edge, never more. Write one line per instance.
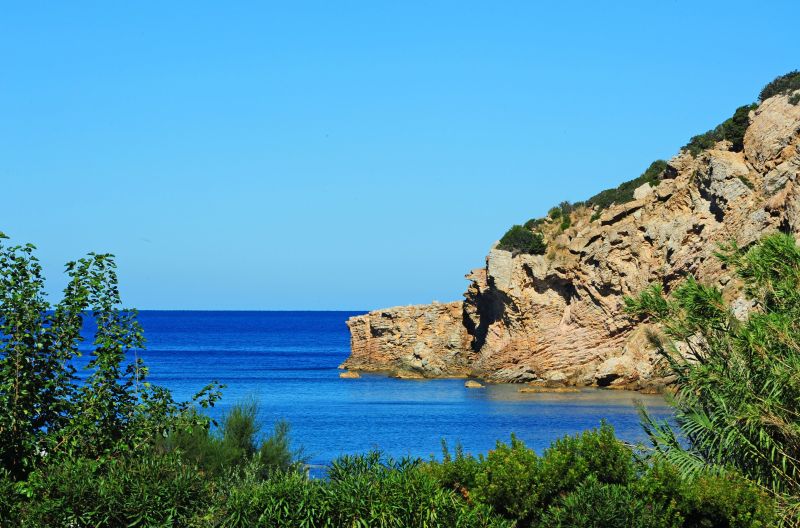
(732, 129)
(624, 193)
(518, 239)
(783, 84)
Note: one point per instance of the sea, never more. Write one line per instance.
(288, 363)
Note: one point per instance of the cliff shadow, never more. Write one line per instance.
(489, 308)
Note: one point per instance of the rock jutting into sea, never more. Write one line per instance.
(558, 319)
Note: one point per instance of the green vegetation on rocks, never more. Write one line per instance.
(732, 129)
(624, 193)
(562, 212)
(519, 239)
(784, 84)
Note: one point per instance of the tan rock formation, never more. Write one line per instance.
(558, 319)
(429, 339)
(472, 384)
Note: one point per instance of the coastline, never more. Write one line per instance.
(556, 316)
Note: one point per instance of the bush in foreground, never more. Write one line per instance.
(593, 480)
(738, 392)
(115, 450)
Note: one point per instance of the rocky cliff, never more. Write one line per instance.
(558, 318)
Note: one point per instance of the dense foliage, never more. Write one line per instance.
(593, 480)
(114, 450)
(738, 398)
(165, 490)
(43, 409)
(784, 84)
(519, 239)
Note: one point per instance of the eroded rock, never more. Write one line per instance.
(558, 320)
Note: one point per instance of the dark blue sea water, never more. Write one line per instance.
(288, 361)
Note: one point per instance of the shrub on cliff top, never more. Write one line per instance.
(534, 223)
(624, 193)
(735, 127)
(521, 240)
(732, 129)
(783, 84)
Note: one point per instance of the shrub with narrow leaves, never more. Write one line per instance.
(738, 392)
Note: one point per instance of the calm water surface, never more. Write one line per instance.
(288, 361)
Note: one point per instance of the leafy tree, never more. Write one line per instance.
(43, 409)
(36, 346)
(738, 391)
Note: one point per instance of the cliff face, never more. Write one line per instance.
(558, 318)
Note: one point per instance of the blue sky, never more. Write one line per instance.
(344, 155)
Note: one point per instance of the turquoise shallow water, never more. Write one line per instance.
(288, 361)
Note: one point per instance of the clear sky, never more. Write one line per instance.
(344, 155)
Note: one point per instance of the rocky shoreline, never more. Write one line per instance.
(557, 320)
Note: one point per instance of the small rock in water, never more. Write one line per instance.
(472, 384)
(349, 375)
(407, 374)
